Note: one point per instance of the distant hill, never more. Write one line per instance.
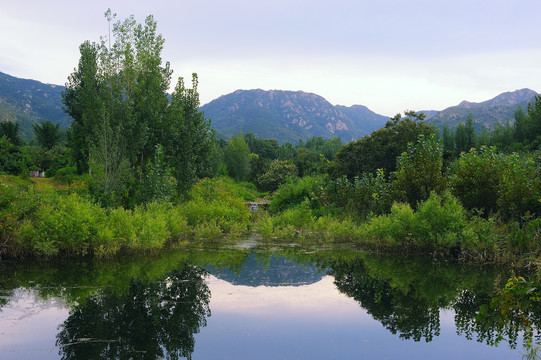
(278, 271)
(289, 116)
(487, 113)
(31, 102)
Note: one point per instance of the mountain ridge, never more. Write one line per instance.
(295, 115)
(285, 115)
(487, 113)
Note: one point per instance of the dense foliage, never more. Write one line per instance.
(47, 218)
(121, 112)
(380, 149)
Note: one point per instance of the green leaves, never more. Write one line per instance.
(237, 157)
(117, 98)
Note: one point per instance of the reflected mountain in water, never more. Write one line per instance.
(269, 270)
(152, 307)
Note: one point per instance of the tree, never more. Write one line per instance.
(110, 168)
(11, 131)
(420, 170)
(47, 134)
(519, 131)
(83, 102)
(188, 139)
(117, 98)
(533, 127)
(267, 149)
(448, 142)
(380, 149)
(277, 174)
(237, 157)
(10, 157)
(465, 135)
(158, 183)
(476, 179)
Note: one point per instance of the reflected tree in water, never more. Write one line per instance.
(149, 320)
(514, 311)
(403, 313)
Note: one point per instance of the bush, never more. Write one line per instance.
(476, 179)
(69, 224)
(519, 191)
(66, 175)
(277, 174)
(440, 221)
(419, 170)
(214, 203)
(509, 185)
(294, 192)
(150, 226)
(363, 196)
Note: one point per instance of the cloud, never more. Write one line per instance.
(387, 55)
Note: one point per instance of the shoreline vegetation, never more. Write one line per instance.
(47, 218)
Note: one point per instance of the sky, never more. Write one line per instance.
(389, 55)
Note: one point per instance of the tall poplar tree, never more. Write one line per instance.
(117, 98)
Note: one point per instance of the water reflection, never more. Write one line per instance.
(401, 312)
(148, 320)
(269, 270)
(283, 303)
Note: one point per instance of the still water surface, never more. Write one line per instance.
(250, 301)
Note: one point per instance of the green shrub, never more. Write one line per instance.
(334, 230)
(69, 224)
(277, 174)
(177, 223)
(208, 230)
(66, 175)
(299, 218)
(363, 196)
(476, 179)
(213, 202)
(440, 221)
(519, 190)
(294, 192)
(264, 226)
(419, 170)
(150, 226)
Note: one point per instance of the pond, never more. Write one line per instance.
(254, 301)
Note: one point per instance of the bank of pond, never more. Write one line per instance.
(44, 218)
(288, 300)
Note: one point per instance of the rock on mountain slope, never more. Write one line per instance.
(289, 116)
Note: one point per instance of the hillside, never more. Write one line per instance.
(487, 113)
(289, 116)
(30, 102)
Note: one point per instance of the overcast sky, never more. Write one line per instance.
(388, 55)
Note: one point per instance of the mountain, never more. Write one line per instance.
(289, 116)
(276, 271)
(486, 113)
(31, 102)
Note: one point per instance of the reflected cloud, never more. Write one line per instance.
(321, 297)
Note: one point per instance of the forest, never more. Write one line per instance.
(140, 170)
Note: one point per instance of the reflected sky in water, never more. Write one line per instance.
(268, 308)
(28, 326)
(316, 321)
